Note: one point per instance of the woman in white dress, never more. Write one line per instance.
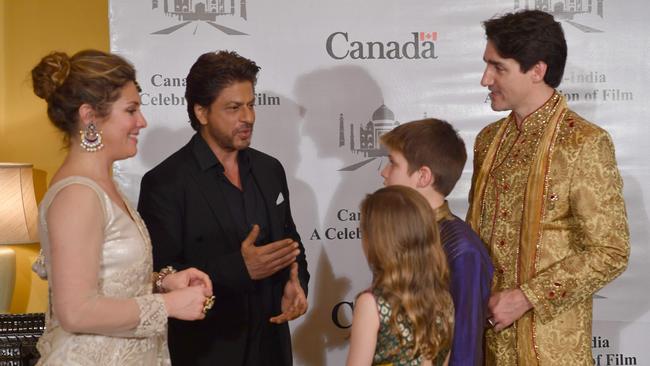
(96, 249)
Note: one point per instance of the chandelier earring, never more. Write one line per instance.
(91, 139)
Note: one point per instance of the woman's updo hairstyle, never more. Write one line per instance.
(90, 76)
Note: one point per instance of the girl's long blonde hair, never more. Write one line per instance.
(409, 266)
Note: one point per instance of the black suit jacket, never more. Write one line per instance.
(191, 226)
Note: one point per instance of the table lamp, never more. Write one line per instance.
(18, 222)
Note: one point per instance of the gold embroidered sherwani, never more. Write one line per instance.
(547, 201)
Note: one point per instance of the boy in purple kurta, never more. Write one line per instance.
(429, 156)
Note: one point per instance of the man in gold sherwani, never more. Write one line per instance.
(546, 199)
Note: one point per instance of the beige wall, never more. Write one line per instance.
(29, 29)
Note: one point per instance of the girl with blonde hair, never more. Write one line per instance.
(406, 317)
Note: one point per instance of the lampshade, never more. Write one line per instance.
(18, 222)
(18, 212)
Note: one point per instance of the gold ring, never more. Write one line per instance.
(208, 303)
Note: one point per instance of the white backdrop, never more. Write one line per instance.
(324, 92)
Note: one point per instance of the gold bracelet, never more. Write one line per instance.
(161, 275)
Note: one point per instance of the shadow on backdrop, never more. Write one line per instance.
(336, 102)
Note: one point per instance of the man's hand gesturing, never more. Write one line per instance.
(294, 301)
(265, 260)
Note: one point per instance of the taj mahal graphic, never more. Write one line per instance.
(188, 11)
(367, 144)
(566, 10)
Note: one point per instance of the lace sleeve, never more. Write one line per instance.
(153, 315)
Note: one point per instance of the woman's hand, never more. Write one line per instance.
(187, 303)
(187, 278)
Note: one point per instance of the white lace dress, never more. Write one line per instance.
(125, 272)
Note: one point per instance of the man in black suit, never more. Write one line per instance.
(220, 206)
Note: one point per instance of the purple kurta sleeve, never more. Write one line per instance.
(471, 273)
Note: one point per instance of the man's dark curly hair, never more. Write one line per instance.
(530, 36)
